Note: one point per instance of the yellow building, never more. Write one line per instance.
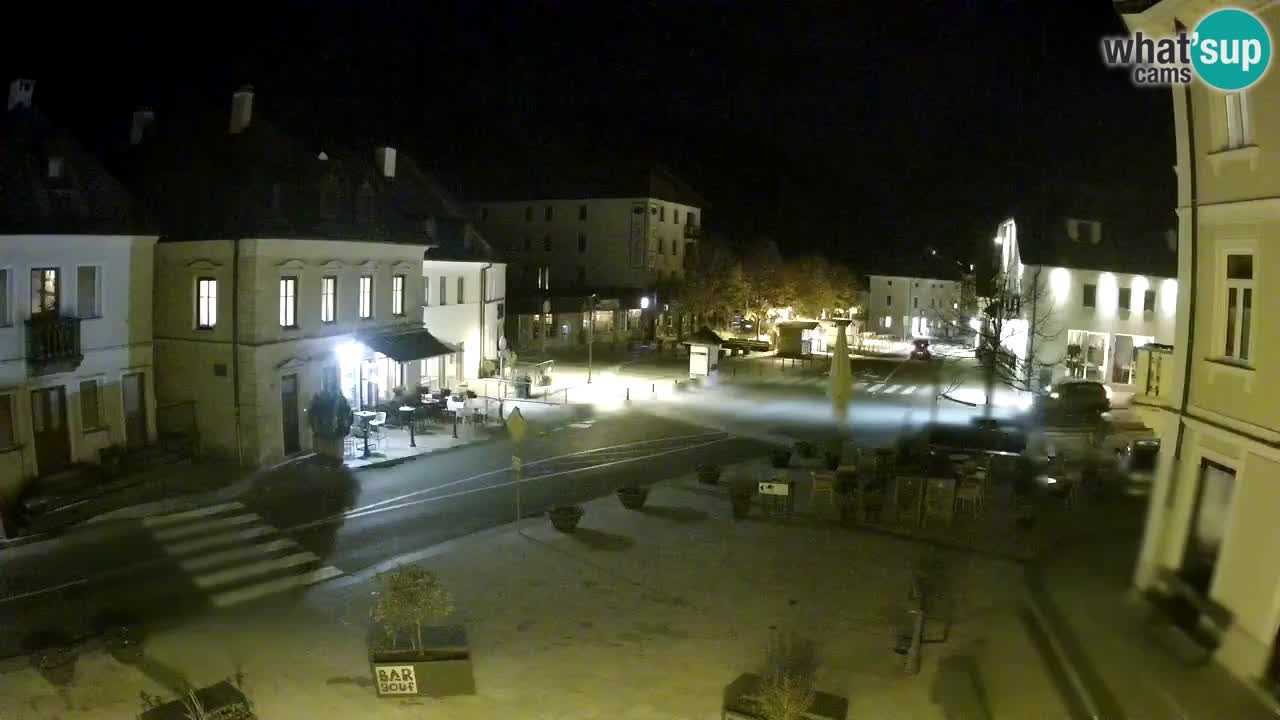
(1212, 527)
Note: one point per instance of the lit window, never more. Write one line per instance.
(397, 295)
(1239, 134)
(328, 299)
(206, 303)
(289, 302)
(1239, 321)
(366, 297)
(45, 292)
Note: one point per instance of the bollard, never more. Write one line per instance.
(653, 389)
(628, 393)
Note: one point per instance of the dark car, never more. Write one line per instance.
(920, 351)
(1080, 399)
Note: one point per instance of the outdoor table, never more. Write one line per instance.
(408, 410)
(365, 416)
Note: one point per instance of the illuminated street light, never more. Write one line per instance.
(644, 303)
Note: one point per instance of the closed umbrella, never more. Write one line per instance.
(841, 376)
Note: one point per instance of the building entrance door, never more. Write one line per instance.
(49, 428)
(289, 413)
(135, 410)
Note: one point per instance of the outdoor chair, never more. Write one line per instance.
(822, 483)
(377, 424)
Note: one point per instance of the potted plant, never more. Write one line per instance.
(330, 417)
(632, 497)
(831, 459)
(111, 458)
(805, 449)
(780, 457)
(565, 517)
(57, 664)
(708, 474)
(740, 496)
(409, 654)
(124, 642)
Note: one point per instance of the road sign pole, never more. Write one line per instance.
(518, 468)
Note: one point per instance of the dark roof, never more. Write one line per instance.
(81, 199)
(705, 336)
(605, 178)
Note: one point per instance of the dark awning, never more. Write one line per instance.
(705, 336)
(417, 344)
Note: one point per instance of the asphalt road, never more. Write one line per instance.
(306, 523)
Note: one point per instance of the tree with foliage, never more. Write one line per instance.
(766, 279)
(409, 598)
(714, 286)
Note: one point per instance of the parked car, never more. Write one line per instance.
(920, 351)
(1136, 465)
(1079, 399)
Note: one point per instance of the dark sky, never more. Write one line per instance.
(863, 131)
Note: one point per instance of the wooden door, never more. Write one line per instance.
(289, 413)
(49, 429)
(135, 410)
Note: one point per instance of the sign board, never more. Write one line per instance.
(775, 488)
(502, 343)
(517, 425)
(395, 679)
(698, 360)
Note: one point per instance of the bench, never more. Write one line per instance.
(1188, 623)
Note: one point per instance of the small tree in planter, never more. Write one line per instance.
(786, 690)
(780, 457)
(411, 655)
(330, 417)
(709, 474)
(409, 598)
(805, 449)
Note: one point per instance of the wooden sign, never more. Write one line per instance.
(775, 488)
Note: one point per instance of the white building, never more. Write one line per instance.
(1092, 294)
(75, 305)
(911, 307)
(289, 271)
(621, 238)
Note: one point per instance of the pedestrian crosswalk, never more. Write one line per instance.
(233, 555)
(869, 388)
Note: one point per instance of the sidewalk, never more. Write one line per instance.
(639, 615)
(1084, 594)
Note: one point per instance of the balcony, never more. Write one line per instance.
(1156, 380)
(53, 344)
(692, 232)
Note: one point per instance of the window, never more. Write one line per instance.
(528, 214)
(1089, 298)
(206, 303)
(544, 278)
(288, 302)
(915, 303)
(1239, 133)
(87, 305)
(44, 290)
(5, 317)
(462, 291)
(528, 243)
(426, 291)
(1239, 321)
(366, 297)
(662, 213)
(662, 244)
(55, 167)
(582, 212)
(690, 219)
(7, 435)
(1149, 301)
(675, 215)
(933, 302)
(546, 213)
(1208, 525)
(397, 295)
(1129, 297)
(582, 243)
(674, 247)
(90, 415)
(328, 298)
(582, 275)
(444, 292)
(546, 243)
(888, 300)
(501, 311)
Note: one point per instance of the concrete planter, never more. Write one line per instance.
(709, 474)
(632, 498)
(442, 667)
(326, 447)
(565, 519)
(223, 701)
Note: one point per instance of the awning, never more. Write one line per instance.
(417, 344)
(705, 336)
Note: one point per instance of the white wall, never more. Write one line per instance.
(902, 297)
(607, 228)
(116, 343)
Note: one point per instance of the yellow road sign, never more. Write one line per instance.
(517, 425)
(516, 462)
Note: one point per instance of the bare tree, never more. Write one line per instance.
(786, 692)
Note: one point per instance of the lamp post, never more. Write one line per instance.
(591, 335)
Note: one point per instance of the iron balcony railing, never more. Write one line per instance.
(53, 343)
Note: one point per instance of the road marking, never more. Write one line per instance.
(201, 527)
(171, 518)
(861, 385)
(875, 388)
(223, 557)
(276, 585)
(909, 390)
(204, 543)
(254, 569)
(894, 389)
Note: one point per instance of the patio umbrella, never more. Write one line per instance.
(841, 376)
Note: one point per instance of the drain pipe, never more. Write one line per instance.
(235, 344)
(1194, 220)
(484, 306)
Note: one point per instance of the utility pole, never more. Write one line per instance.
(591, 335)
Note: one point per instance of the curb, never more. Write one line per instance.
(392, 462)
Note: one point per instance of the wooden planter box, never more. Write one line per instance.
(440, 669)
(222, 701)
(741, 702)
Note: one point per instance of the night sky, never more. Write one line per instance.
(862, 132)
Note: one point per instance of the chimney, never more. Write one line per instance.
(386, 160)
(142, 117)
(241, 109)
(20, 91)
